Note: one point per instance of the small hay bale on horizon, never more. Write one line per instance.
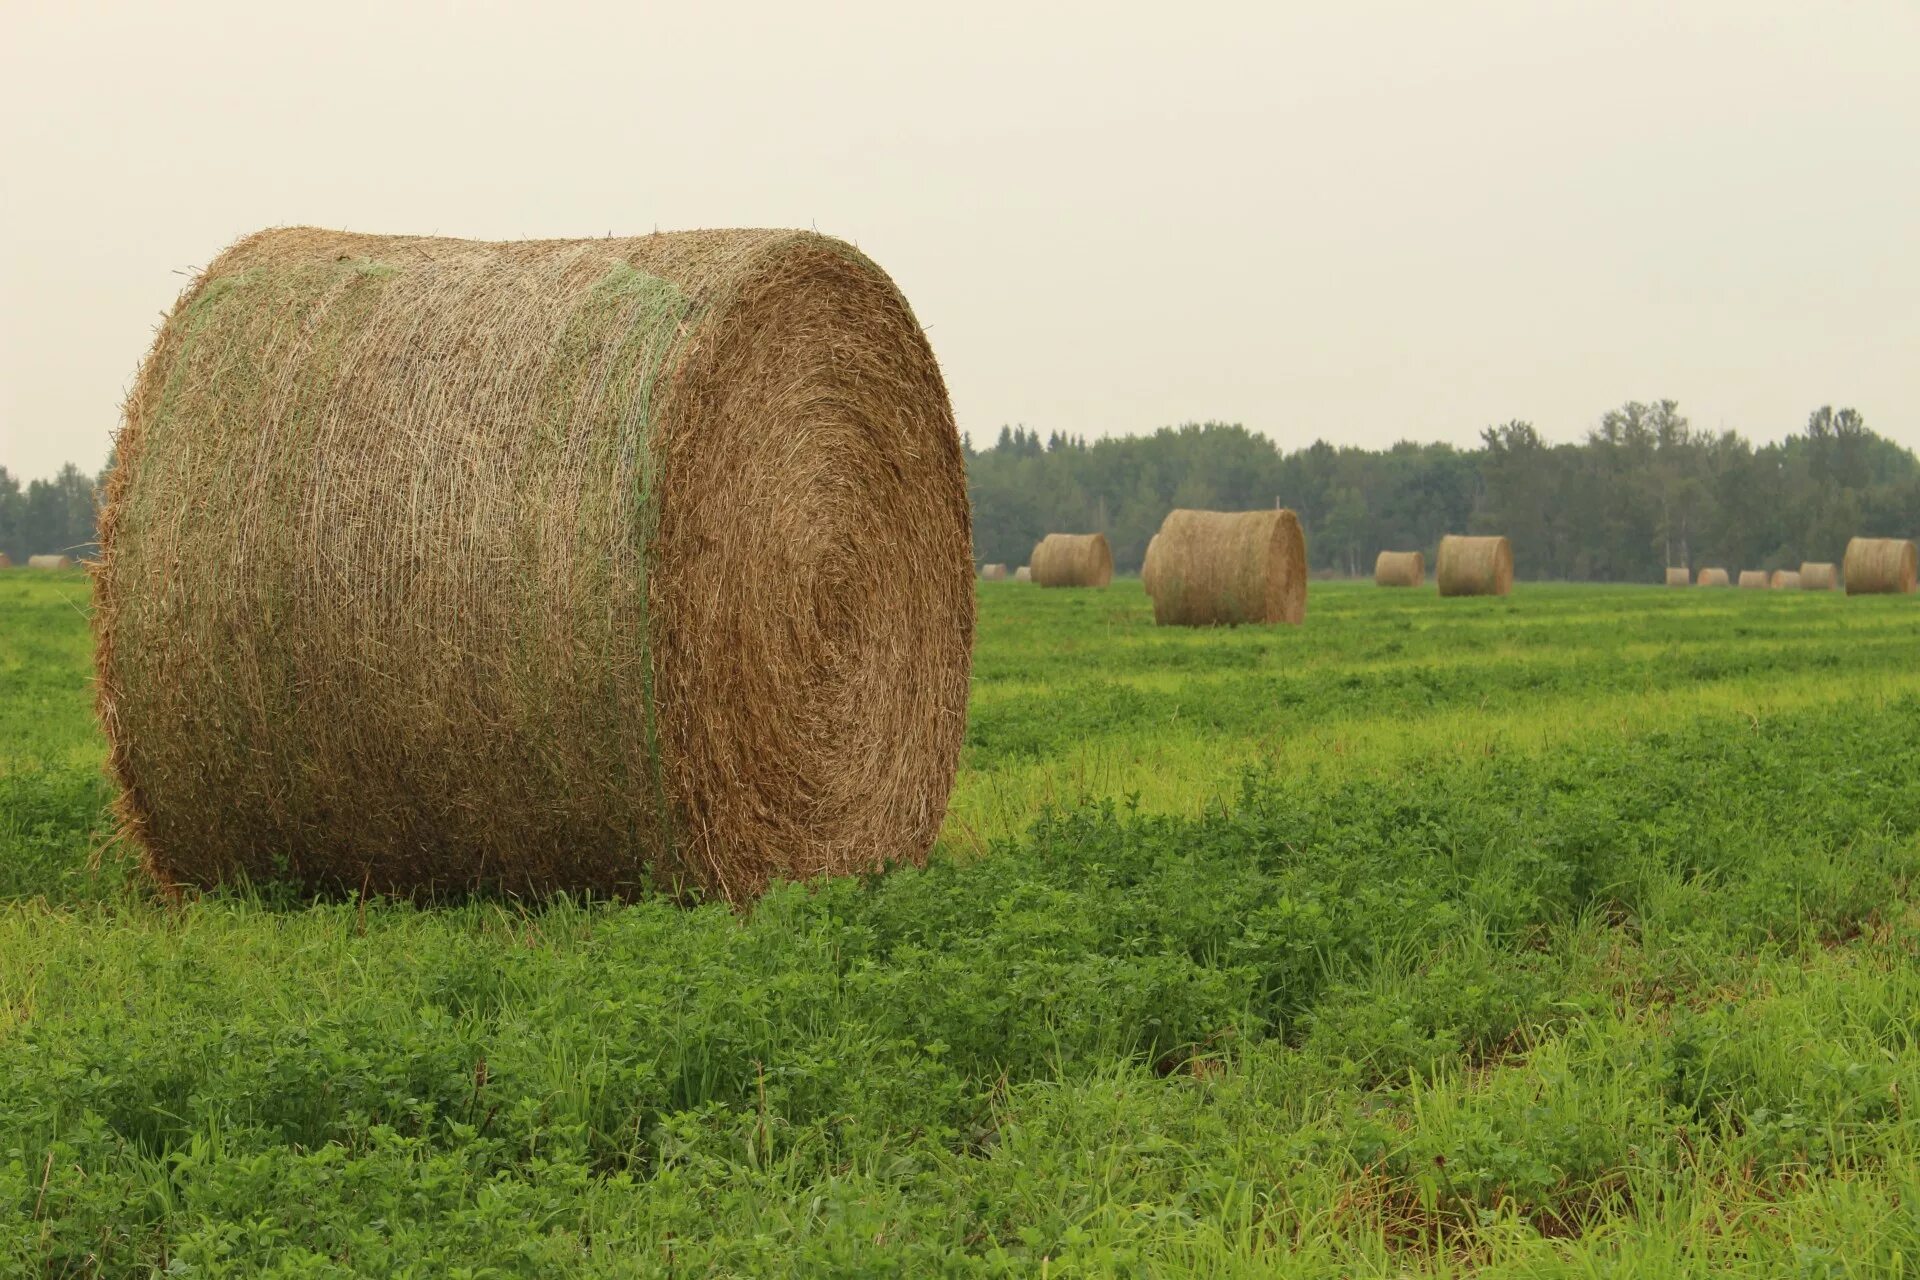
(1679, 577)
(993, 573)
(1753, 579)
(1784, 580)
(1023, 574)
(1072, 560)
(1400, 569)
(1880, 566)
(1474, 566)
(1819, 575)
(1225, 568)
(1711, 578)
(598, 609)
(49, 562)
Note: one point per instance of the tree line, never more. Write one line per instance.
(1642, 490)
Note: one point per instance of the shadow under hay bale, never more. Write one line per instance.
(1072, 560)
(1399, 569)
(1879, 566)
(1474, 566)
(1219, 568)
(554, 569)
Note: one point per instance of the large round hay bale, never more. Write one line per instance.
(993, 573)
(1146, 565)
(1072, 560)
(1023, 574)
(1220, 568)
(1784, 580)
(535, 566)
(1399, 569)
(1879, 566)
(1679, 577)
(1753, 579)
(1474, 566)
(49, 562)
(1819, 575)
(1711, 578)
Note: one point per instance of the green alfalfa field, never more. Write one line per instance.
(1571, 933)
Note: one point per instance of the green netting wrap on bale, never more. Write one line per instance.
(1879, 566)
(1072, 560)
(1220, 568)
(1474, 566)
(432, 565)
(1400, 569)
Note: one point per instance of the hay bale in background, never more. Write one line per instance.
(1879, 566)
(1784, 580)
(554, 567)
(1753, 579)
(1474, 566)
(49, 562)
(1212, 568)
(1399, 569)
(1072, 560)
(1679, 577)
(1711, 578)
(1146, 566)
(1819, 575)
(6, 561)
(1023, 574)
(993, 573)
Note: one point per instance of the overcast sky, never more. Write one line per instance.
(1362, 221)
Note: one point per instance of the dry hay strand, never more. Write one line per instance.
(1474, 566)
(49, 562)
(1679, 578)
(993, 573)
(1753, 579)
(1399, 569)
(1072, 560)
(1023, 574)
(1879, 566)
(1711, 578)
(1784, 580)
(1219, 568)
(551, 566)
(1819, 575)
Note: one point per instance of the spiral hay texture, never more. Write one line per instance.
(1072, 560)
(1399, 569)
(1712, 578)
(49, 562)
(432, 565)
(993, 573)
(1819, 575)
(1879, 566)
(1217, 568)
(1679, 578)
(1753, 579)
(1474, 566)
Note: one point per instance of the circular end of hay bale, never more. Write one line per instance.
(1072, 560)
(1218, 568)
(1400, 569)
(555, 568)
(1712, 578)
(1474, 566)
(1880, 566)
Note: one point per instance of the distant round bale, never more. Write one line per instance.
(1219, 568)
(1880, 566)
(1023, 574)
(577, 565)
(993, 573)
(1679, 577)
(49, 562)
(1711, 578)
(1474, 566)
(1072, 560)
(1753, 579)
(6, 561)
(1399, 569)
(1784, 580)
(1819, 575)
